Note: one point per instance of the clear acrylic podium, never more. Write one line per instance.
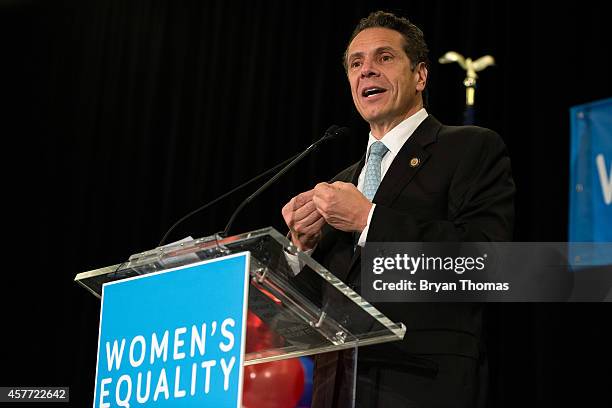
(301, 314)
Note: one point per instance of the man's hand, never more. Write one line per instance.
(303, 220)
(342, 206)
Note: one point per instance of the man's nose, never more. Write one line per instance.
(368, 69)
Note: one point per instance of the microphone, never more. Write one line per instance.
(216, 200)
(332, 132)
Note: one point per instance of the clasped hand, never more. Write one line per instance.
(339, 204)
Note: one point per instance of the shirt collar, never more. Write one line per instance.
(396, 137)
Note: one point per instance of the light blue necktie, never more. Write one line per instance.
(372, 175)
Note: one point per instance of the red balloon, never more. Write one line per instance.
(273, 385)
(259, 336)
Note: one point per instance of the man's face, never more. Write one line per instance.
(385, 89)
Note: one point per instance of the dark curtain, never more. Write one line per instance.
(122, 116)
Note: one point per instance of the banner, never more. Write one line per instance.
(590, 212)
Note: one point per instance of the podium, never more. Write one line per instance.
(304, 308)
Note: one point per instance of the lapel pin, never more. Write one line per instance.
(414, 162)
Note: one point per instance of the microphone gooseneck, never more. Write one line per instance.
(332, 132)
(216, 200)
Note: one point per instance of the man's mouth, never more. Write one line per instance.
(372, 90)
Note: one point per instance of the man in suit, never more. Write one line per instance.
(418, 181)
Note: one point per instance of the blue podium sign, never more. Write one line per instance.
(174, 338)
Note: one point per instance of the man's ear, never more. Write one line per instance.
(421, 72)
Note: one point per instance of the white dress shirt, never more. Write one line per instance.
(393, 140)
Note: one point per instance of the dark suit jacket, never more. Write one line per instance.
(461, 190)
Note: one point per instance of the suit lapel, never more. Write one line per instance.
(409, 161)
(402, 170)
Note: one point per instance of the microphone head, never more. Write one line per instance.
(336, 131)
(330, 130)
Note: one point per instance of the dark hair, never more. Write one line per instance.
(414, 40)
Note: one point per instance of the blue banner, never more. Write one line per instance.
(174, 338)
(590, 213)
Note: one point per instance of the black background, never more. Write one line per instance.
(121, 116)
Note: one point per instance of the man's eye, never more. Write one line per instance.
(355, 64)
(386, 58)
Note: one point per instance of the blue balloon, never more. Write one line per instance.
(306, 399)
